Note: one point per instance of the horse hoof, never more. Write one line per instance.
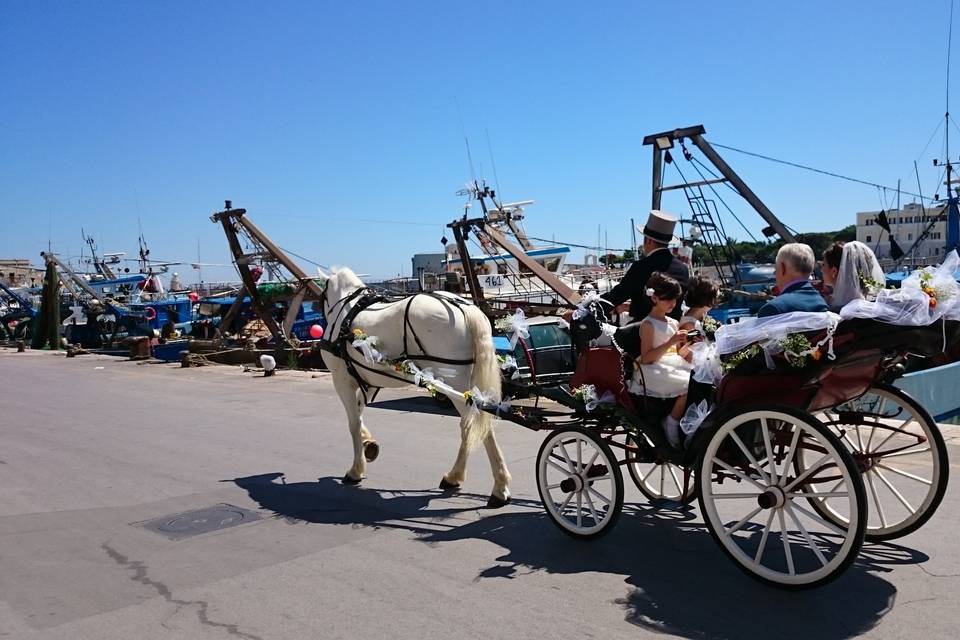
(371, 450)
(349, 480)
(497, 503)
(448, 486)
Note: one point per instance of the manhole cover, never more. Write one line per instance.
(194, 523)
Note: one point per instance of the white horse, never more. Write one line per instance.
(441, 326)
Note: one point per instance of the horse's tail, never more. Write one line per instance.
(485, 375)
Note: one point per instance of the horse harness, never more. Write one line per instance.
(363, 298)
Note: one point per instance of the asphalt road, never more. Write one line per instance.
(92, 448)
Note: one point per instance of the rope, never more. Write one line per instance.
(815, 170)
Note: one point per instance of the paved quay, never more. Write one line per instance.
(98, 456)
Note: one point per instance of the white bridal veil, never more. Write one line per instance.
(860, 275)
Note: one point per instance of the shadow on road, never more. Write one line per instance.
(679, 581)
(416, 404)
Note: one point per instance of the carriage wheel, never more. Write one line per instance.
(754, 500)
(657, 479)
(580, 483)
(901, 454)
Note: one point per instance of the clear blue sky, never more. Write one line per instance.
(319, 117)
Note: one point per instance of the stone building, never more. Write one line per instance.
(17, 272)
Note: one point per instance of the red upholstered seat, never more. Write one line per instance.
(603, 368)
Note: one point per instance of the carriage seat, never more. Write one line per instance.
(607, 370)
(603, 367)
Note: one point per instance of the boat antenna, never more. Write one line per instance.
(463, 129)
(947, 116)
(496, 180)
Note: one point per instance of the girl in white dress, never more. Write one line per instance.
(664, 366)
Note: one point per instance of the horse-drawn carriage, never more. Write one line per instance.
(793, 466)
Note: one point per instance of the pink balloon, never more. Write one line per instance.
(316, 332)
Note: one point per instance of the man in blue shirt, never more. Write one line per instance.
(795, 262)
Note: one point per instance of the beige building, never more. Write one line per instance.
(906, 225)
(17, 272)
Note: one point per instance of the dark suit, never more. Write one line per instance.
(801, 296)
(633, 286)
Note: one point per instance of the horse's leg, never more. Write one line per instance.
(370, 447)
(452, 480)
(349, 392)
(500, 495)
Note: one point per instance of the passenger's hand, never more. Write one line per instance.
(568, 316)
(680, 337)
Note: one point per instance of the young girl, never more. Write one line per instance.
(701, 297)
(663, 369)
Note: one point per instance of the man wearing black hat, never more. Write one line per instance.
(657, 234)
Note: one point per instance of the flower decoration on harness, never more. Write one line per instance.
(367, 345)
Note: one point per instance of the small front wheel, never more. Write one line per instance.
(580, 483)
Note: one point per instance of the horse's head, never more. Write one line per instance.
(340, 284)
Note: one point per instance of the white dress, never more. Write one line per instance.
(697, 325)
(669, 376)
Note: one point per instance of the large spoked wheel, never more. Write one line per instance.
(754, 500)
(657, 479)
(580, 483)
(901, 453)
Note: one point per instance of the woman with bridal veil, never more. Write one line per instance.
(857, 277)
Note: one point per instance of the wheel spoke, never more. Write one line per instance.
(769, 449)
(904, 474)
(593, 511)
(579, 509)
(734, 496)
(893, 490)
(893, 432)
(905, 452)
(873, 430)
(566, 457)
(753, 461)
(786, 543)
(763, 539)
(803, 476)
(793, 449)
(816, 518)
(648, 473)
(579, 455)
(815, 494)
(876, 499)
(806, 535)
(663, 474)
(565, 472)
(602, 497)
(737, 473)
(566, 501)
(673, 474)
(743, 521)
(593, 459)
